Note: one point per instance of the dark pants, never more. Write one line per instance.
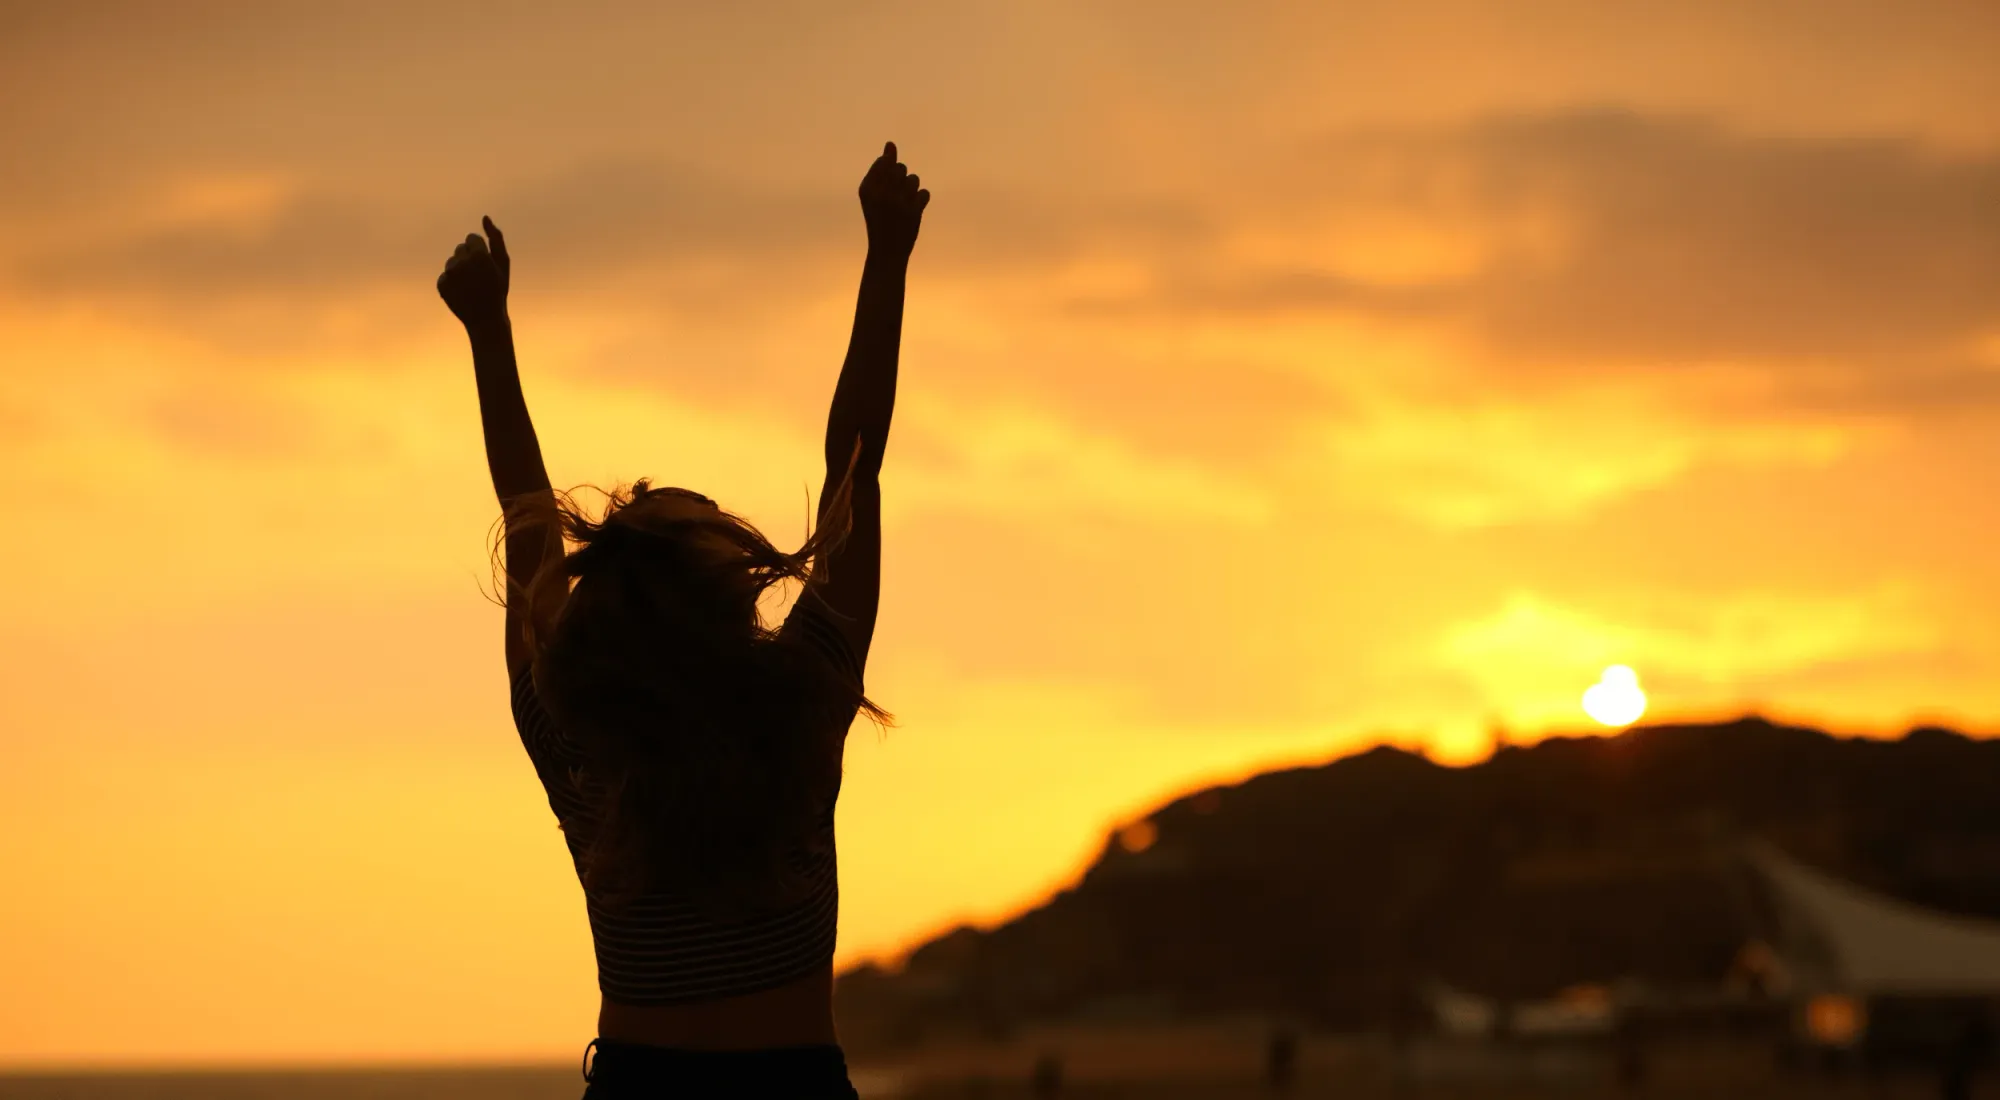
(628, 1071)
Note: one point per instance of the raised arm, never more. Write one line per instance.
(857, 426)
(474, 285)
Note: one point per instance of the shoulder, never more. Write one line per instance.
(539, 731)
(817, 626)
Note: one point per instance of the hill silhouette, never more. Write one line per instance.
(1334, 893)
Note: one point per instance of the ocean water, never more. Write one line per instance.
(512, 1083)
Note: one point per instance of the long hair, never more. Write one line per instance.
(711, 742)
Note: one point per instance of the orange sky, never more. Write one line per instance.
(1274, 383)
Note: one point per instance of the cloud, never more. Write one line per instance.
(1592, 237)
(1486, 461)
(1861, 267)
(606, 215)
(987, 460)
(232, 421)
(1603, 299)
(234, 235)
(1687, 241)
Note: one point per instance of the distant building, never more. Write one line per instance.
(1875, 977)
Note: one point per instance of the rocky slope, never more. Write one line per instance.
(1335, 893)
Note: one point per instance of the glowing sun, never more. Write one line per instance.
(1615, 699)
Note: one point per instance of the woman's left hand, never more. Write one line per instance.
(474, 283)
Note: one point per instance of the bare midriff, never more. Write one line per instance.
(794, 1015)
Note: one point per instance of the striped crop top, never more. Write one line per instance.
(661, 948)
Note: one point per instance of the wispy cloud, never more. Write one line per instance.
(1861, 268)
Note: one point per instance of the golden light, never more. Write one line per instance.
(1590, 998)
(1615, 699)
(1835, 1021)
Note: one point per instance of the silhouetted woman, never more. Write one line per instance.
(691, 753)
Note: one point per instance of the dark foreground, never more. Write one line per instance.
(1208, 1064)
(1100, 1065)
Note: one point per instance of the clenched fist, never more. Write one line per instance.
(474, 283)
(892, 204)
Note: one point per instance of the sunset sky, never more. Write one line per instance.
(1277, 381)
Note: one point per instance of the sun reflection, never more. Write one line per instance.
(1615, 699)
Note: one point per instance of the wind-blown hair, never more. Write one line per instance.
(711, 741)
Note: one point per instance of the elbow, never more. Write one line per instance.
(861, 477)
(860, 463)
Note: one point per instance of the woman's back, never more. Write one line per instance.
(692, 757)
(666, 947)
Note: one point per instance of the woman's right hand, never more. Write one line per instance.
(474, 283)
